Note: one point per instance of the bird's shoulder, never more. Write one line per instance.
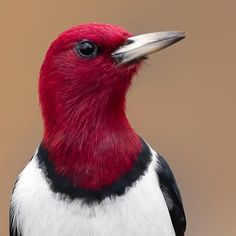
(171, 195)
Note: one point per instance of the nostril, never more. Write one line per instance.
(128, 41)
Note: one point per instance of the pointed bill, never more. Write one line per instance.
(138, 47)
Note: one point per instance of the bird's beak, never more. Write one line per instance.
(138, 47)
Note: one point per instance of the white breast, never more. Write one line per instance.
(40, 212)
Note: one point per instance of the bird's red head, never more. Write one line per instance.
(83, 81)
(79, 74)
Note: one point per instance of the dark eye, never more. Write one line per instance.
(86, 49)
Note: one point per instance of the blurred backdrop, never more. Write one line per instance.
(182, 102)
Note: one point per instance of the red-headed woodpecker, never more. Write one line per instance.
(92, 175)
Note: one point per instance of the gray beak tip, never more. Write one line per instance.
(182, 35)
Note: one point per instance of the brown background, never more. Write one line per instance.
(182, 102)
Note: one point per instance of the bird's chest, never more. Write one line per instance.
(140, 211)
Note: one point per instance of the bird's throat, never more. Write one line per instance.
(93, 150)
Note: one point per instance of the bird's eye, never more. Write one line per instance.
(86, 49)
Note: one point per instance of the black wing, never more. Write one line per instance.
(172, 196)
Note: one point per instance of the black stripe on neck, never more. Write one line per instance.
(60, 184)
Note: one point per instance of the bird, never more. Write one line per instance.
(92, 174)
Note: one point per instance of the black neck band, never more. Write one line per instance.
(60, 184)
